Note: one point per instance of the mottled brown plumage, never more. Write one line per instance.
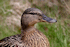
(30, 36)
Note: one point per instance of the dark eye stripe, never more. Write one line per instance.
(35, 14)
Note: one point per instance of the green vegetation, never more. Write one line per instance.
(58, 33)
(6, 31)
(4, 8)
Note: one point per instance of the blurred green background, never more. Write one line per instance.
(57, 33)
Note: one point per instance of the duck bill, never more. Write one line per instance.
(47, 19)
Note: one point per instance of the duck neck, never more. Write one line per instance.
(28, 30)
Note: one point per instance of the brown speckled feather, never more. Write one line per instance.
(34, 38)
(10, 41)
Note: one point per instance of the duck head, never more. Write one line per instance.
(32, 16)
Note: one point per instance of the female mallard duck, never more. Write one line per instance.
(30, 36)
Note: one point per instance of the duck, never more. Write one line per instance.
(30, 36)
